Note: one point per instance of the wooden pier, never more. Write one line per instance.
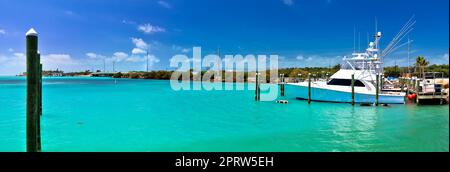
(427, 90)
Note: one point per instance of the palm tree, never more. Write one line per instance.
(420, 64)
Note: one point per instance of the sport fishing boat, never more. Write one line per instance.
(364, 67)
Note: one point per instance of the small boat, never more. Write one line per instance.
(365, 67)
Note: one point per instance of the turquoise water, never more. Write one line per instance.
(102, 114)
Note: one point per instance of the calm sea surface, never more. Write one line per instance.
(103, 114)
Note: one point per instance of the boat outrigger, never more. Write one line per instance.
(365, 67)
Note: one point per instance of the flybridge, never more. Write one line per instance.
(372, 59)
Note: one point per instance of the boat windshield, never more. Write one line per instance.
(345, 82)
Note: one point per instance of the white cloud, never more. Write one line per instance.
(151, 59)
(53, 60)
(288, 2)
(149, 29)
(165, 4)
(138, 51)
(119, 56)
(445, 57)
(12, 64)
(91, 55)
(11, 50)
(180, 49)
(308, 58)
(128, 22)
(2, 32)
(310, 61)
(139, 43)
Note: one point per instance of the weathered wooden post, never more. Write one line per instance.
(353, 89)
(377, 89)
(39, 107)
(309, 88)
(256, 86)
(417, 88)
(259, 87)
(33, 64)
(402, 85)
(282, 84)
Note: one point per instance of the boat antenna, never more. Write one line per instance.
(359, 41)
(409, 50)
(376, 24)
(354, 39)
(406, 29)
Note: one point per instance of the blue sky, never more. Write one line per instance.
(77, 35)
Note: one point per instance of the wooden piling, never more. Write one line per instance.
(402, 85)
(282, 85)
(377, 89)
(259, 87)
(39, 114)
(309, 88)
(353, 89)
(256, 86)
(32, 105)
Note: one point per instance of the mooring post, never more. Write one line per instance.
(259, 87)
(32, 91)
(39, 114)
(256, 86)
(417, 90)
(402, 85)
(309, 88)
(353, 89)
(282, 84)
(381, 81)
(417, 87)
(377, 89)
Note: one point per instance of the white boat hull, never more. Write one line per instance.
(300, 91)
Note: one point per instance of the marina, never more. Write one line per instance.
(91, 116)
(162, 76)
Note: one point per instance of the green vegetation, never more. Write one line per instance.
(145, 75)
(289, 72)
(421, 65)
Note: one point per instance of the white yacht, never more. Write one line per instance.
(365, 66)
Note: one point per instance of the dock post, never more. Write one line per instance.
(282, 85)
(39, 114)
(309, 88)
(256, 87)
(32, 105)
(259, 87)
(377, 89)
(417, 91)
(353, 89)
(402, 85)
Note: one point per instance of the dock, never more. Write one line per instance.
(429, 89)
